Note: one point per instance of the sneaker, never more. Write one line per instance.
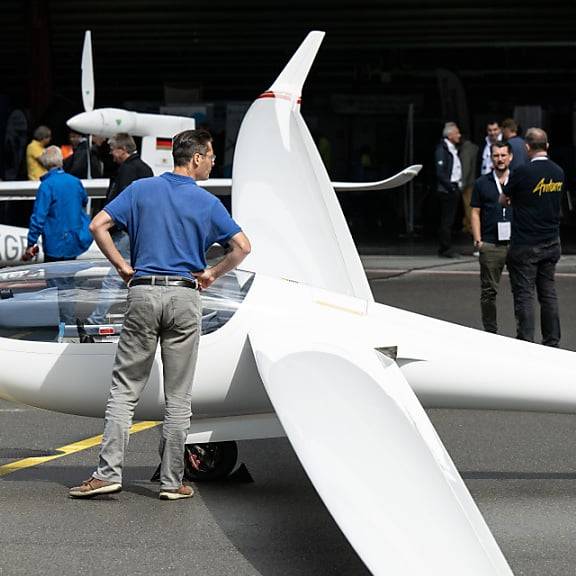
(177, 494)
(94, 487)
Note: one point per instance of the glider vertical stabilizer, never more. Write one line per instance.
(282, 194)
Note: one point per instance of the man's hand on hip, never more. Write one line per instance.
(126, 272)
(205, 279)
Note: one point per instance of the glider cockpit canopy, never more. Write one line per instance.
(53, 303)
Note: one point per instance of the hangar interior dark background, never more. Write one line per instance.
(450, 60)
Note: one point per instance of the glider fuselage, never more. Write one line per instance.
(438, 358)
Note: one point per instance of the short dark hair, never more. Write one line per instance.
(501, 144)
(536, 139)
(42, 132)
(123, 140)
(188, 143)
(510, 123)
(491, 121)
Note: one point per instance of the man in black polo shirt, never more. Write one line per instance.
(534, 190)
(491, 225)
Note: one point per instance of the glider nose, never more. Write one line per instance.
(86, 123)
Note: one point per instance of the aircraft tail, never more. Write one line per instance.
(292, 78)
(282, 195)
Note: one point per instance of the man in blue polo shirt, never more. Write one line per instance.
(491, 227)
(535, 191)
(171, 223)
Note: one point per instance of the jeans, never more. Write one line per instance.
(492, 261)
(112, 284)
(171, 314)
(533, 267)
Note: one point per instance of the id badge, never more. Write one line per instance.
(504, 231)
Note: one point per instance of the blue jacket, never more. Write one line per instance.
(59, 215)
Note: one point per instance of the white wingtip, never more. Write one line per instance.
(292, 78)
(87, 73)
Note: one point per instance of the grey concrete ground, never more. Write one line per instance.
(520, 468)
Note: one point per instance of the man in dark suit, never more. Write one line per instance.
(448, 185)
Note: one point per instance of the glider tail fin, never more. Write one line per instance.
(282, 195)
(292, 78)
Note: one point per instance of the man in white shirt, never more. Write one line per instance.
(448, 185)
(493, 135)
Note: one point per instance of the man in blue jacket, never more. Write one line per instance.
(59, 216)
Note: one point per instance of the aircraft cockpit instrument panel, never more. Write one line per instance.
(71, 300)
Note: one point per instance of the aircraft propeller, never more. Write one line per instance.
(88, 90)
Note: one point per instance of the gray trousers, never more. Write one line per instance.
(492, 261)
(173, 315)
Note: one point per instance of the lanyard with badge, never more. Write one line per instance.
(504, 227)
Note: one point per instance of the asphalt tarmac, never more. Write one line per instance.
(518, 466)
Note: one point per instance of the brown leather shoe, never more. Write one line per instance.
(93, 487)
(178, 494)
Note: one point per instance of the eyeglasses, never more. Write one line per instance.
(212, 157)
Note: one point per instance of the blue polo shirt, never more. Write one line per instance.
(171, 222)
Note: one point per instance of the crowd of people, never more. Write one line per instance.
(59, 212)
(514, 209)
(75, 155)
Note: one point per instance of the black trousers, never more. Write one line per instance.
(448, 206)
(532, 268)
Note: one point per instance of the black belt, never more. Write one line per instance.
(164, 281)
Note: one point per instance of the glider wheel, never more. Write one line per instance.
(211, 461)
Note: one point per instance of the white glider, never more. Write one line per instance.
(297, 345)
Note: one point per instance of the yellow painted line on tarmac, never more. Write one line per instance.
(69, 449)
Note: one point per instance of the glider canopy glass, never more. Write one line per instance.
(56, 302)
